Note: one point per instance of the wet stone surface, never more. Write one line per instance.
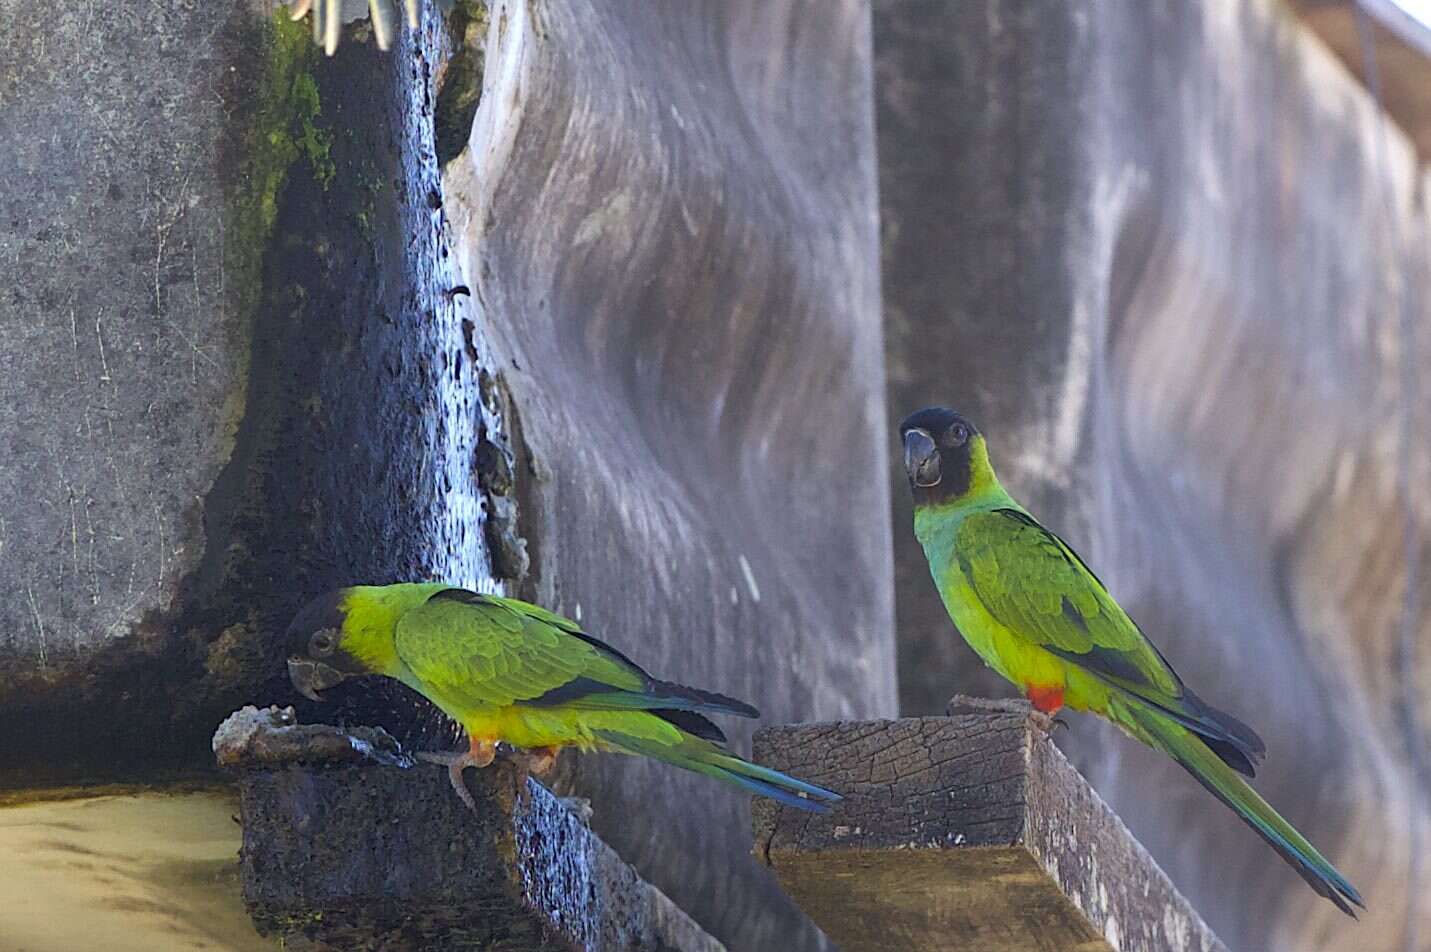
(342, 849)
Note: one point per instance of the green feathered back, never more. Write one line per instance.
(511, 671)
(482, 650)
(1031, 608)
(1033, 583)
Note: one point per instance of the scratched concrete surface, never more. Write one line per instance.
(124, 369)
(678, 247)
(667, 212)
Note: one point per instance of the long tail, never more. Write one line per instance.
(594, 696)
(705, 757)
(1193, 754)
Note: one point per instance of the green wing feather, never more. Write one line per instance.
(483, 650)
(476, 650)
(1036, 586)
(1211, 769)
(1033, 584)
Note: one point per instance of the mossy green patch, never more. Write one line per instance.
(276, 126)
(315, 143)
(283, 128)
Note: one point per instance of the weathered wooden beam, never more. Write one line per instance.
(963, 832)
(348, 845)
(1403, 57)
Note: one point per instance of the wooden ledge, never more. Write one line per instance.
(963, 832)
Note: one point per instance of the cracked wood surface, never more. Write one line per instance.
(966, 832)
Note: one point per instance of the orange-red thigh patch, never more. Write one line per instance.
(1047, 698)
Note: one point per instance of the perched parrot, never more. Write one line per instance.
(510, 671)
(1036, 614)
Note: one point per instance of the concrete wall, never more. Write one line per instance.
(1162, 253)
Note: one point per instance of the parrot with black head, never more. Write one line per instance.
(1035, 613)
(510, 671)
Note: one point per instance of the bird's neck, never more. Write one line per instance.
(935, 522)
(372, 614)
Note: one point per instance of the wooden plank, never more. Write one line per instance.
(963, 832)
(1403, 53)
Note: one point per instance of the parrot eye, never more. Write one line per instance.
(958, 434)
(323, 643)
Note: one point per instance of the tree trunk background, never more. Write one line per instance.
(1159, 253)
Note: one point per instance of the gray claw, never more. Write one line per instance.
(332, 25)
(382, 17)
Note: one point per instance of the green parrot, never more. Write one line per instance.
(510, 671)
(1036, 614)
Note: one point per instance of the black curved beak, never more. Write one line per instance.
(309, 677)
(921, 459)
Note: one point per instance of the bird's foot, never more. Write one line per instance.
(538, 760)
(1048, 723)
(479, 754)
(1047, 701)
